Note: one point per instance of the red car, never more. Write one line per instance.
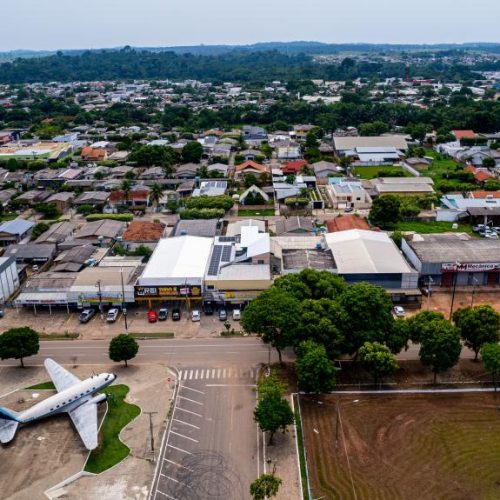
(152, 317)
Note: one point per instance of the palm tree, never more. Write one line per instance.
(156, 193)
(126, 187)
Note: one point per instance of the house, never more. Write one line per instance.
(222, 150)
(417, 164)
(74, 259)
(345, 146)
(135, 198)
(464, 134)
(324, 169)
(293, 167)
(254, 135)
(6, 195)
(481, 175)
(220, 168)
(250, 193)
(142, 233)
(57, 233)
(62, 200)
(294, 226)
(14, 231)
(31, 198)
(250, 167)
(94, 198)
(187, 171)
(211, 188)
(121, 171)
(196, 227)
(345, 223)
(153, 173)
(100, 231)
(90, 153)
(399, 186)
(250, 154)
(344, 193)
(288, 152)
(300, 131)
(169, 196)
(31, 253)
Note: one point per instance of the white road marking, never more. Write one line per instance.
(213, 373)
(191, 375)
(164, 494)
(224, 373)
(178, 449)
(185, 423)
(218, 373)
(168, 477)
(196, 375)
(185, 437)
(191, 389)
(178, 465)
(230, 385)
(188, 411)
(190, 400)
(181, 373)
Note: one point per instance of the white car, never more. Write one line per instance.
(236, 314)
(195, 315)
(112, 315)
(399, 311)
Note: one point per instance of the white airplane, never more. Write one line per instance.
(74, 396)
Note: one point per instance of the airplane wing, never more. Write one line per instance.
(62, 378)
(85, 420)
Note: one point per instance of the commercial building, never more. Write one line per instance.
(176, 270)
(446, 259)
(9, 278)
(14, 231)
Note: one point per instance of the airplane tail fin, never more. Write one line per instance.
(6, 414)
(8, 430)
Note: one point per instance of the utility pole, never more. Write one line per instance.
(151, 413)
(429, 291)
(453, 294)
(99, 294)
(124, 309)
(474, 281)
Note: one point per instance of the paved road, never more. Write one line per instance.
(174, 353)
(211, 448)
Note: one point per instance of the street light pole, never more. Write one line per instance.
(99, 294)
(124, 309)
(454, 290)
(429, 291)
(474, 281)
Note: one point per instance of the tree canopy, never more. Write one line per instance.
(315, 372)
(123, 348)
(265, 486)
(378, 360)
(19, 343)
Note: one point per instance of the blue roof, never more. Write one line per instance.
(16, 226)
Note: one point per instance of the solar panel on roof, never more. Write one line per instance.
(226, 254)
(213, 267)
(227, 239)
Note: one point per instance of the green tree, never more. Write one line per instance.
(123, 348)
(125, 188)
(315, 372)
(478, 325)
(265, 486)
(369, 309)
(274, 316)
(192, 152)
(421, 326)
(18, 343)
(489, 162)
(39, 229)
(251, 180)
(156, 193)
(142, 251)
(385, 211)
(490, 354)
(378, 360)
(273, 413)
(441, 348)
(47, 209)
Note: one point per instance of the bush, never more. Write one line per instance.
(85, 209)
(39, 229)
(223, 202)
(202, 213)
(119, 217)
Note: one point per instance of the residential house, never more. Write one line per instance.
(254, 136)
(57, 233)
(211, 188)
(31, 253)
(289, 152)
(250, 154)
(32, 198)
(294, 226)
(142, 233)
(293, 167)
(187, 171)
(220, 168)
(90, 153)
(481, 175)
(14, 231)
(94, 198)
(345, 223)
(399, 186)
(249, 167)
(100, 231)
(153, 173)
(137, 198)
(323, 169)
(6, 195)
(252, 191)
(347, 146)
(344, 193)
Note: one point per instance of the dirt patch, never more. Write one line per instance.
(46, 453)
(411, 446)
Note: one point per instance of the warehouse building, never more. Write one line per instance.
(446, 259)
(9, 278)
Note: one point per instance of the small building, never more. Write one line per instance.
(249, 167)
(324, 169)
(143, 233)
(31, 253)
(210, 188)
(346, 223)
(446, 259)
(294, 226)
(57, 233)
(196, 227)
(220, 168)
(94, 198)
(409, 186)
(9, 278)
(344, 193)
(14, 231)
(100, 231)
(251, 193)
(187, 171)
(62, 200)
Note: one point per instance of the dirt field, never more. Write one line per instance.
(45, 453)
(444, 447)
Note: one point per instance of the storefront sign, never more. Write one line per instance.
(150, 292)
(470, 268)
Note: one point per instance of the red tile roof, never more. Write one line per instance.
(479, 175)
(117, 196)
(251, 164)
(293, 167)
(479, 195)
(346, 222)
(462, 134)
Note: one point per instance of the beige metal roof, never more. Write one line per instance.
(346, 143)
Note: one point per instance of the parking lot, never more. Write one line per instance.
(211, 449)
(59, 321)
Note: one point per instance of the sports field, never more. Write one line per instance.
(444, 447)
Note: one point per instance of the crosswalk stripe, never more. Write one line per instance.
(196, 375)
(202, 374)
(190, 374)
(224, 373)
(213, 373)
(218, 373)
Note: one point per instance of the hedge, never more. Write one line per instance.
(119, 217)
(223, 202)
(202, 213)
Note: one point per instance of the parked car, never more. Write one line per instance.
(176, 314)
(162, 314)
(236, 314)
(478, 228)
(35, 268)
(152, 316)
(223, 315)
(399, 311)
(208, 309)
(348, 209)
(112, 315)
(86, 315)
(2, 313)
(491, 235)
(195, 315)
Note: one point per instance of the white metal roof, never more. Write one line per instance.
(359, 251)
(178, 257)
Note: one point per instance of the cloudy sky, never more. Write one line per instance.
(55, 24)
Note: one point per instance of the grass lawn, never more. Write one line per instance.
(44, 386)
(372, 172)
(58, 336)
(120, 413)
(6, 217)
(153, 335)
(250, 213)
(433, 227)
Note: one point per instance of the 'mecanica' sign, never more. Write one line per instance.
(472, 267)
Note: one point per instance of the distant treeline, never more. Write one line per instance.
(236, 66)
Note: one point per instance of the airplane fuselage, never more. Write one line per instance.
(68, 399)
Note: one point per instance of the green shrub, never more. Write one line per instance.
(202, 213)
(119, 217)
(223, 202)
